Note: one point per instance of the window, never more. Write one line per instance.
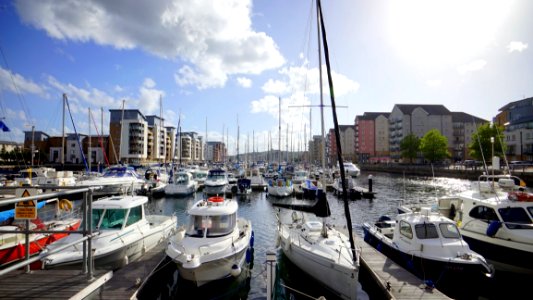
(196, 228)
(484, 213)
(135, 215)
(108, 218)
(221, 225)
(449, 230)
(426, 231)
(515, 216)
(405, 229)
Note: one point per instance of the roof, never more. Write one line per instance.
(345, 127)
(432, 109)
(511, 104)
(374, 115)
(123, 202)
(461, 117)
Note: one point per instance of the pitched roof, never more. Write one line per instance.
(461, 117)
(372, 115)
(432, 109)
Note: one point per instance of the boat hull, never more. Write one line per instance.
(213, 190)
(339, 275)
(180, 190)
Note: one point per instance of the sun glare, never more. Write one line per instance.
(438, 33)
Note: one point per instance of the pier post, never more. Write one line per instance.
(271, 259)
(370, 183)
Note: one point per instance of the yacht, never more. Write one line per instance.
(495, 218)
(430, 246)
(124, 231)
(280, 187)
(350, 169)
(183, 184)
(215, 244)
(156, 180)
(115, 180)
(216, 182)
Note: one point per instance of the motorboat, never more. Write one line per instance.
(318, 249)
(280, 187)
(124, 231)
(244, 186)
(311, 189)
(200, 175)
(182, 184)
(114, 181)
(430, 246)
(495, 218)
(298, 178)
(43, 176)
(156, 180)
(13, 245)
(216, 182)
(215, 244)
(350, 169)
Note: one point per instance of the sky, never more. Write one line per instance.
(224, 67)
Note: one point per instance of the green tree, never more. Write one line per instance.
(434, 146)
(481, 146)
(409, 146)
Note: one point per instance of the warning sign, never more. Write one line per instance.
(26, 210)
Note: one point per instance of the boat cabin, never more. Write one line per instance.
(118, 212)
(214, 217)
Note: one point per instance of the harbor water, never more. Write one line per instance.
(391, 191)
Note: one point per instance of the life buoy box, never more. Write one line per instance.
(216, 199)
(520, 196)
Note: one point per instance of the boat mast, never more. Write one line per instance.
(89, 146)
(63, 134)
(238, 138)
(337, 134)
(322, 142)
(120, 140)
(279, 132)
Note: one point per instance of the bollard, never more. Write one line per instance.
(370, 183)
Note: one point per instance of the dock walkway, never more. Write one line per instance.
(395, 281)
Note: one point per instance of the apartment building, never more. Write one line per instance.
(517, 117)
(216, 152)
(372, 136)
(464, 126)
(347, 139)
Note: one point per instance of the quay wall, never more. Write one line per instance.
(526, 173)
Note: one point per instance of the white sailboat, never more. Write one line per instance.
(317, 249)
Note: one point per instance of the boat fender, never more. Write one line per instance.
(493, 228)
(452, 211)
(249, 255)
(65, 205)
(235, 270)
(252, 238)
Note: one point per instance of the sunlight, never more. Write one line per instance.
(439, 33)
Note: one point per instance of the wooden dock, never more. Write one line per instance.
(123, 283)
(393, 280)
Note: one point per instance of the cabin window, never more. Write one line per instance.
(135, 215)
(221, 225)
(514, 216)
(196, 226)
(405, 229)
(484, 213)
(426, 231)
(530, 210)
(449, 230)
(108, 218)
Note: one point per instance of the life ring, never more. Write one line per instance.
(65, 205)
(216, 199)
(520, 196)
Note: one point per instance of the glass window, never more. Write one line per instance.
(405, 229)
(135, 215)
(449, 230)
(514, 216)
(111, 218)
(221, 225)
(530, 210)
(196, 228)
(484, 213)
(426, 231)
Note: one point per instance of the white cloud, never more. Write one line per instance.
(16, 83)
(516, 46)
(214, 39)
(93, 96)
(118, 88)
(434, 82)
(244, 82)
(149, 83)
(149, 98)
(472, 66)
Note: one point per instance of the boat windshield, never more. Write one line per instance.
(514, 217)
(215, 225)
(449, 230)
(216, 176)
(182, 178)
(108, 218)
(426, 231)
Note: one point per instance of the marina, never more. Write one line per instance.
(158, 277)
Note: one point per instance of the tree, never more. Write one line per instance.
(409, 146)
(434, 146)
(481, 147)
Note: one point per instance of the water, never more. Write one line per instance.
(391, 191)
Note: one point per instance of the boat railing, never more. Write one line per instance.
(86, 228)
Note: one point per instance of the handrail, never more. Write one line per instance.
(71, 190)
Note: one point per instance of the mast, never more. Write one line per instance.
(63, 133)
(89, 146)
(337, 133)
(238, 138)
(279, 132)
(121, 127)
(162, 129)
(322, 142)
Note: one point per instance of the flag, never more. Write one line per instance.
(4, 127)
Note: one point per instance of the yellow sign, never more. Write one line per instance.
(26, 210)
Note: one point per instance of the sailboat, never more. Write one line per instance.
(278, 186)
(322, 251)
